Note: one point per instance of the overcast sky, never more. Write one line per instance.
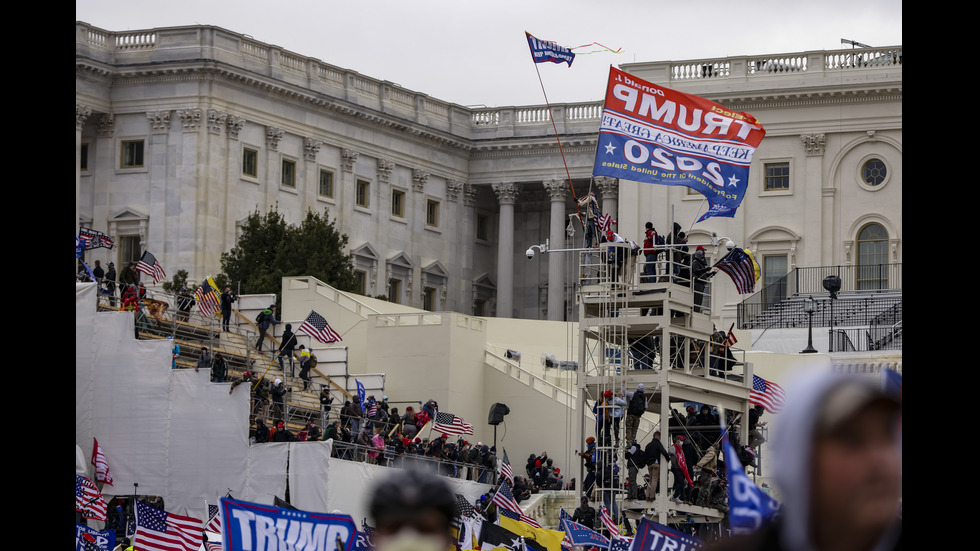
(474, 53)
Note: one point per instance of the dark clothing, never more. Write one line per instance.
(265, 319)
(261, 433)
(585, 515)
(227, 298)
(110, 285)
(219, 369)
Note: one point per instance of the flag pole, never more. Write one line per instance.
(555, 127)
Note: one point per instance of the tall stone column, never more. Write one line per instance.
(557, 190)
(609, 190)
(506, 196)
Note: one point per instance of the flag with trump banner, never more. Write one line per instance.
(581, 536)
(250, 526)
(748, 506)
(653, 536)
(652, 134)
(543, 51)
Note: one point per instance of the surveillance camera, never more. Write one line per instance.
(730, 245)
(530, 253)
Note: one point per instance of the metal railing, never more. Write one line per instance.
(868, 295)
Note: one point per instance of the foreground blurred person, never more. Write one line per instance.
(839, 468)
(412, 511)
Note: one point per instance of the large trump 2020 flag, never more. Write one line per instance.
(656, 135)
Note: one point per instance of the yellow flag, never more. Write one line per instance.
(755, 265)
(550, 539)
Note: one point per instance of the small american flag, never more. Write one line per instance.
(214, 520)
(505, 470)
(607, 521)
(102, 473)
(148, 265)
(520, 517)
(450, 424)
(606, 222)
(740, 267)
(207, 298)
(318, 328)
(730, 339)
(88, 499)
(158, 530)
(767, 394)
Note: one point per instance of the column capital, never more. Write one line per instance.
(814, 144)
(556, 188)
(82, 113)
(609, 187)
(506, 193)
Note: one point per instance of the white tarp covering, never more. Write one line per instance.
(185, 439)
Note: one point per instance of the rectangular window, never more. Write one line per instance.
(288, 173)
(326, 183)
(360, 282)
(777, 176)
(83, 157)
(363, 193)
(131, 155)
(479, 307)
(432, 213)
(397, 203)
(250, 162)
(429, 299)
(129, 250)
(774, 278)
(482, 227)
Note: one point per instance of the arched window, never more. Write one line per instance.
(872, 257)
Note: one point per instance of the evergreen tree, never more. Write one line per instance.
(269, 249)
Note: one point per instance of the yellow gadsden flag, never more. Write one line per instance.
(550, 539)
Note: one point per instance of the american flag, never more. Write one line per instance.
(607, 521)
(207, 298)
(88, 499)
(148, 265)
(213, 546)
(318, 328)
(505, 470)
(740, 267)
(372, 408)
(94, 239)
(162, 531)
(606, 222)
(504, 499)
(520, 517)
(102, 473)
(450, 424)
(767, 394)
(463, 507)
(214, 520)
(730, 339)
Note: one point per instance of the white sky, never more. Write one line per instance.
(474, 53)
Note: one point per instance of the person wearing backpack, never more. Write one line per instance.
(306, 363)
(265, 318)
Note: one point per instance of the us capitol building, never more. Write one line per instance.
(182, 132)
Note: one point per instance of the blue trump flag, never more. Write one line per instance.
(652, 134)
(651, 536)
(580, 535)
(360, 395)
(255, 527)
(748, 506)
(543, 51)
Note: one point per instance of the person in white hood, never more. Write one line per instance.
(838, 463)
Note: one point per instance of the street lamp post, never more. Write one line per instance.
(809, 306)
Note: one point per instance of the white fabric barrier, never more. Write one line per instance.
(186, 439)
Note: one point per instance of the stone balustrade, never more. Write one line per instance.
(227, 50)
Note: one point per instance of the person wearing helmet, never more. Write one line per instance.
(412, 510)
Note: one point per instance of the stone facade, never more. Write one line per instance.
(181, 132)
